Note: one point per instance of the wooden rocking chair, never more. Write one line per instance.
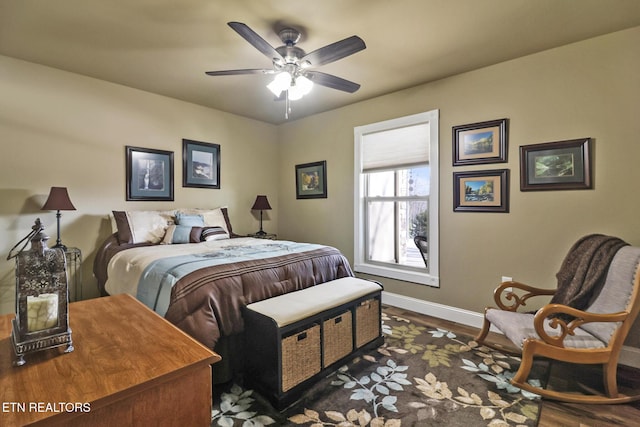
(593, 336)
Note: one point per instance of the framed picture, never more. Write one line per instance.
(200, 164)
(562, 165)
(481, 191)
(480, 143)
(311, 180)
(149, 174)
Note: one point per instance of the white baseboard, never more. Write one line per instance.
(453, 314)
(629, 356)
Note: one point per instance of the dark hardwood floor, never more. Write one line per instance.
(558, 414)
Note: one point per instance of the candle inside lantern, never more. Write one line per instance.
(42, 312)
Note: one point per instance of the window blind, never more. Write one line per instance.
(390, 149)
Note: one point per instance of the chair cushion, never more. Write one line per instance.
(616, 291)
(519, 326)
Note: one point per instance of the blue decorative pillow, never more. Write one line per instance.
(189, 219)
(182, 234)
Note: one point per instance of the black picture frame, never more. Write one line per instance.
(149, 174)
(480, 143)
(560, 165)
(311, 180)
(481, 191)
(200, 164)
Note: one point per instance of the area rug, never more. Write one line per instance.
(421, 376)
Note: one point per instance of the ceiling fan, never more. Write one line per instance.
(293, 67)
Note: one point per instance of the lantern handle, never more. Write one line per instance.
(37, 228)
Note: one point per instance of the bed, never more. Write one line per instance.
(189, 266)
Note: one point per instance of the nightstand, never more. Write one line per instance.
(74, 273)
(263, 236)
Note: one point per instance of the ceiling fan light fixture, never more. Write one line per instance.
(290, 63)
(294, 93)
(280, 83)
(300, 88)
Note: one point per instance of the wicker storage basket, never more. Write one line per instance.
(300, 357)
(337, 338)
(367, 321)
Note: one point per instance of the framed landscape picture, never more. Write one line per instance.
(481, 191)
(479, 143)
(562, 165)
(311, 180)
(149, 174)
(200, 164)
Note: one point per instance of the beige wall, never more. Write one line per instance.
(58, 128)
(61, 129)
(588, 89)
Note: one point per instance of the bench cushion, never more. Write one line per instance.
(289, 308)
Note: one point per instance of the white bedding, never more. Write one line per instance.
(126, 267)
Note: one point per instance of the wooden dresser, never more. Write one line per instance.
(130, 367)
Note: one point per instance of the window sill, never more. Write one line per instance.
(394, 273)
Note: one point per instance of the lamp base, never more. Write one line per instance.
(260, 233)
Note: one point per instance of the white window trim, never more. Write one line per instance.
(360, 263)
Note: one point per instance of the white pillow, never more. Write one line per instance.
(148, 226)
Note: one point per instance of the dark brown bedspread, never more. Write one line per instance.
(207, 303)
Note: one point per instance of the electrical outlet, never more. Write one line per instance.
(507, 279)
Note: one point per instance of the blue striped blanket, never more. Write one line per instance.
(159, 277)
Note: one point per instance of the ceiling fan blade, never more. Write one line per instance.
(335, 51)
(331, 81)
(238, 72)
(256, 41)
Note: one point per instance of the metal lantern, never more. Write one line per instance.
(42, 298)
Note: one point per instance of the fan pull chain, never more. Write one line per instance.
(287, 105)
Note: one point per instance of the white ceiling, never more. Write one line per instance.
(165, 46)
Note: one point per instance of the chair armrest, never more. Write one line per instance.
(510, 300)
(556, 315)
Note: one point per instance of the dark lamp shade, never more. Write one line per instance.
(58, 200)
(261, 204)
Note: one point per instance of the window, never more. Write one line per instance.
(396, 198)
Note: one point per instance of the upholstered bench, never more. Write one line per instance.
(292, 339)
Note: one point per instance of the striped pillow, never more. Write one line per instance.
(213, 233)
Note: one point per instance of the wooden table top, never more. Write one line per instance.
(121, 348)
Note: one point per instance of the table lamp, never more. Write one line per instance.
(261, 204)
(58, 201)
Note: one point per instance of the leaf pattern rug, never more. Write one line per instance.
(421, 376)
